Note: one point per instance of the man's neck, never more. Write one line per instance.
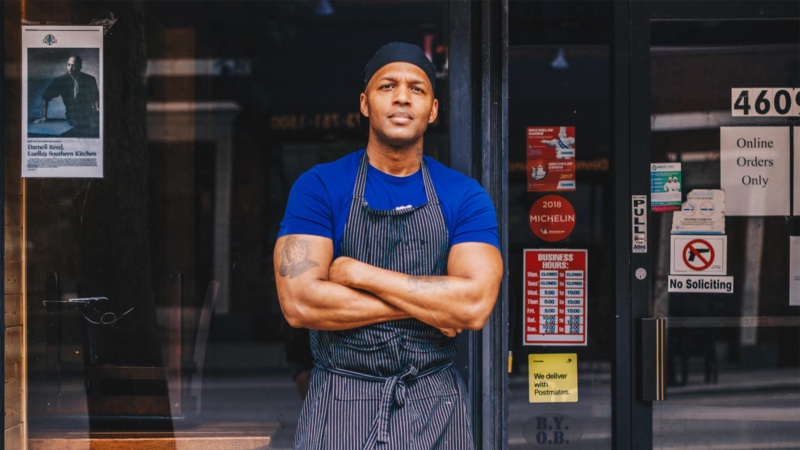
(400, 162)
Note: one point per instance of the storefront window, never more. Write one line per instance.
(148, 293)
(732, 330)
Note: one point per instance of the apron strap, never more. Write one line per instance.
(361, 179)
(429, 190)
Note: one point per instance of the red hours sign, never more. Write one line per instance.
(552, 218)
(555, 300)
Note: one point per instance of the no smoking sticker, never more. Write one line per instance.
(699, 255)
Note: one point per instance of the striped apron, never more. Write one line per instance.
(389, 385)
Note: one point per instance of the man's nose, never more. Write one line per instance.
(401, 95)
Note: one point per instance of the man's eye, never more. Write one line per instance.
(387, 86)
(417, 89)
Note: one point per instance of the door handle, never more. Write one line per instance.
(651, 357)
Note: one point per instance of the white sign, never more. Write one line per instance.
(703, 212)
(62, 101)
(765, 102)
(639, 213)
(797, 169)
(698, 254)
(754, 170)
(794, 270)
(700, 284)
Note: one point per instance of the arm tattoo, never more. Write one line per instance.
(421, 284)
(294, 257)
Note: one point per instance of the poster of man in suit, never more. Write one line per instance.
(62, 101)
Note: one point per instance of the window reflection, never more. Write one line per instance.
(151, 304)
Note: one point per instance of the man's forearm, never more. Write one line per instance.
(324, 305)
(441, 301)
(307, 297)
(310, 299)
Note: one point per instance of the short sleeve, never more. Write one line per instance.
(476, 220)
(309, 210)
(52, 90)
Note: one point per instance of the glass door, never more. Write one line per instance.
(560, 226)
(722, 89)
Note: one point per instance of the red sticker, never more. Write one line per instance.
(556, 300)
(552, 218)
(551, 159)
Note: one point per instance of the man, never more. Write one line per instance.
(386, 255)
(81, 99)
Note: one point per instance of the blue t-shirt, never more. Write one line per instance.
(319, 202)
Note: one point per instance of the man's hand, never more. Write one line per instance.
(40, 120)
(450, 332)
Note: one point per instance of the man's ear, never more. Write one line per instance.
(434, 111)
(364, 105)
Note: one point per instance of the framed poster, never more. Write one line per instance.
(62, 101)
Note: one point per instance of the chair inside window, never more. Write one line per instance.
(120, 392)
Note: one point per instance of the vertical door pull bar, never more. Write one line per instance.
(653, 348)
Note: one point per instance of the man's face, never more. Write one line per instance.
(73, 66)
(399, 103)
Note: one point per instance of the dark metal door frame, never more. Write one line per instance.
(478, 114)
(623, 409)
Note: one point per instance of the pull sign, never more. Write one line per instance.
(639, 205)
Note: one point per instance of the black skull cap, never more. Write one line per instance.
(400, 52)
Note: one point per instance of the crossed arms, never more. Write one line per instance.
(318, 293)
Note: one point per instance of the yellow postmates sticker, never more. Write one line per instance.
(553, 378)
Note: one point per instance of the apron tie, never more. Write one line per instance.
(394, 391)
